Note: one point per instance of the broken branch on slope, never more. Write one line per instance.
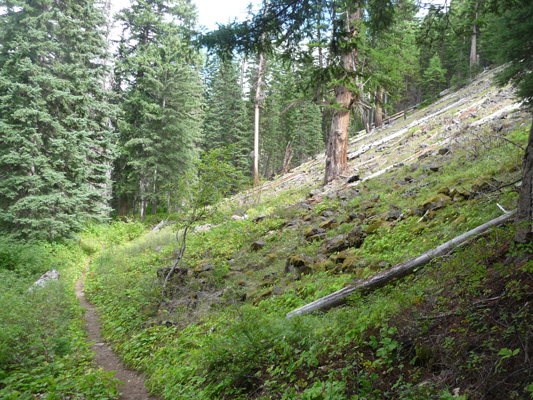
(398, 271)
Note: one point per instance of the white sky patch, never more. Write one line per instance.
(210, 12)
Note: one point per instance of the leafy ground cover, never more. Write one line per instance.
(43, 352)
(460, 328)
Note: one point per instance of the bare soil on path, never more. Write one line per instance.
(134, 387)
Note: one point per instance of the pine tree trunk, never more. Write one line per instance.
(337, 146)
(154, 192)
(473, 47)
(123, 205)
(524, 215)
(379, 107)
(143, 202)
(287, 159)
(258, 101)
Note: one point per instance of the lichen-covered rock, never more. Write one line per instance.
(354, 238)
(393, 214)
(419, 228)
(311, 233)
(48, 276)
(483, 184)
(374, 225)
(328, 224)
(436, 202)
(366, 205)
(445, 191)
(355, 216)
(352, 263)
(324, 265)
(299, 263)
(204, 266)
(258, 245)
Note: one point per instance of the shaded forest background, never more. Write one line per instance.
(93, 127)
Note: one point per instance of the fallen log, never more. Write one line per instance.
(160, 225)
(398, 271)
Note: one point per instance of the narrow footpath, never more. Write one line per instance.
(134, 387)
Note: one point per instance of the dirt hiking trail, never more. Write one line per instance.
(134, 387)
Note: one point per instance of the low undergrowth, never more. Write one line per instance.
(43, 352)
(458, 329)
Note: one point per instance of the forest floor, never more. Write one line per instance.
(459, 328)
(133, 382)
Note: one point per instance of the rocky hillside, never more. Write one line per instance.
(459, 118)
(458, 328)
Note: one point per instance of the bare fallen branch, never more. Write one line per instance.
(398, 271)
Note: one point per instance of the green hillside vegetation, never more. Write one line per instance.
(42, 331)
(199, 190)
(458, 326)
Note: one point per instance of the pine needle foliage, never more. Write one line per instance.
(55, 143)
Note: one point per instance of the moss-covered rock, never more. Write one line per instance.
(354, 238)
(418, 228)
(444, 190)
(330, 223)
(353, 262)
(436, 202)
(299, 263)
(482, 184)
(374, 225)
(313, 231)
(324, 265)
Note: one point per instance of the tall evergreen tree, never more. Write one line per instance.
(288, 120)
(292, 26)
(226, 120)
(157, 76)
(434, 77)
(55, 140)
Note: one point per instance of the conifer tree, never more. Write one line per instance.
(157, 77)
(434, 77)
(226, 121)
(55, 140)
(288, 119)
(292, 26)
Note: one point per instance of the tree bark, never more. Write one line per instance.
(287, 159)
(473, 47)
(398, 271)
(123, 205)
(154, 191)
(337, 146)
(379, 107)
(143, 201)
(258, 101)
(524, 215)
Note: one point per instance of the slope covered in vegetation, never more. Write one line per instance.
(459, 328)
